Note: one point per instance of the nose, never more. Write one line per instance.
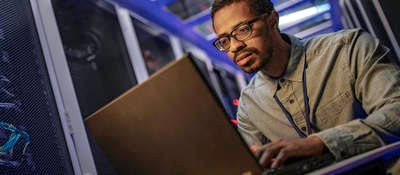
(236, 45)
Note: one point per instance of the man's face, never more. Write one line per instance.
(253, 53)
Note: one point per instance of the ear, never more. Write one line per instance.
(274, 19)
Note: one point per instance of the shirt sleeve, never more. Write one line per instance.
(247, 130)
(377, 87)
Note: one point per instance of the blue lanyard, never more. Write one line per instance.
(306, 107)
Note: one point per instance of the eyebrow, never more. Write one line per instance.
(234, 27)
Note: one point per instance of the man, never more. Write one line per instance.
(337, 92)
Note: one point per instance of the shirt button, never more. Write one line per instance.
(303, 128)
(291, 101)
(282, 80)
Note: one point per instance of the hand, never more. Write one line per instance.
(274, 154)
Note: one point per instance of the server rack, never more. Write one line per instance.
(345, 17)
(387, 15)
(370, 16)
(34, 79)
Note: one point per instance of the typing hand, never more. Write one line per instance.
(274, 154)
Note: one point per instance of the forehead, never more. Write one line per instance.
(229, 16)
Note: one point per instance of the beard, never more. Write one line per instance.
(257, 63)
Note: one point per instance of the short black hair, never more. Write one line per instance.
(259, 7)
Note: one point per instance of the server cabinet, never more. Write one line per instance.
(34, 136)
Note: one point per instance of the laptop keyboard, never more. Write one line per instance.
(303, 165)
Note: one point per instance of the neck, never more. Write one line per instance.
(279, 59)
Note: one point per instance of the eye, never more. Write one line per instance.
(223, 41)
(243, 30)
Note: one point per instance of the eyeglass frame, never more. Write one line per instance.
(231, 35)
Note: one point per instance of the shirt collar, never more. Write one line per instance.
(294, 69)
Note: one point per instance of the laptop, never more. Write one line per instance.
(173, 123)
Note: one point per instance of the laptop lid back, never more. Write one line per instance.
(171, 124)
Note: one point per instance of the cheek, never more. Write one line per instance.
(265, 45)
(230, 55)
(265, 48)
(260, 44)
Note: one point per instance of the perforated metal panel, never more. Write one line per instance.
(26, 99)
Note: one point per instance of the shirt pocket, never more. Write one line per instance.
(337, 110)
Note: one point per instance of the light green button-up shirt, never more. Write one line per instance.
(353, 90)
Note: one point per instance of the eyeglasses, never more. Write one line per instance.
(241, 32)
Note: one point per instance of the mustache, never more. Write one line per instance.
(250, 50)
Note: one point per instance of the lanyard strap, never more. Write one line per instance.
(306, 107)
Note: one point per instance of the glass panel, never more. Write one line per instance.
(96, 53)
(205, 29)
(188, 8)
(230, 90)
(155, 46)
(97, 58)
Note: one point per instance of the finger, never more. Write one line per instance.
(282, 156)
(254, 148)
(268, 154)
(258, 153)
(265, 159)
